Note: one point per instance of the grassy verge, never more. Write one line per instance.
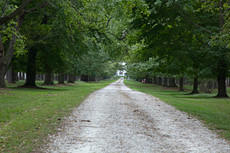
(215, 113)
(27, 116)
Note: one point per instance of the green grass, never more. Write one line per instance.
(27, 116)
(215, 113)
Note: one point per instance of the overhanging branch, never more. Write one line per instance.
(191, 22)
(7, 18)
(124, 34)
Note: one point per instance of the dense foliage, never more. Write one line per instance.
(185, 39)
(157, 38)
(63, 37)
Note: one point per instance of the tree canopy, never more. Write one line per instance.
(164, 38)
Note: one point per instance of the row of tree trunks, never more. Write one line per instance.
(87, 78)
(166, 82)
(48, 78)
(22, 76)
(169, 82)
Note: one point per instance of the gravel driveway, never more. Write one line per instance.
(117, 119)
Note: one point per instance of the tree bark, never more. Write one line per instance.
(172, 82)
(5, 59)
(222, 70)
(71, 78)
(6, 56)
(61, 78)
(165, 82)
(23, 76)
(49, 78)
(195, 86)
(222, 67)
(181, 84)
(12, 76)
(31, 68)
(8, 75)
(2, 75)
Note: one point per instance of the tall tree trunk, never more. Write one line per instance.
(3, 65)
(165, 82)
(6, 56)
(31, 68)
(222, 69)
(9, 75)
(23, 76)
(5, 59)
(12, 76)
(195, 86)
(49, 78)
(172, 82)
(61, 78)
(2, 75)
(71, 78)
(181, 84)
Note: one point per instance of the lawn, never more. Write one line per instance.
(213, 112)
(27, 116)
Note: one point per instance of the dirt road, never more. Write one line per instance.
(117, 119)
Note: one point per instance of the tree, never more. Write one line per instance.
(171, 29)
(10, 39)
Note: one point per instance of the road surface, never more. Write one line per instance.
(117, 119)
